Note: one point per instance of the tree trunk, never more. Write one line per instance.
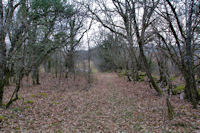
(66, 74)
(2, 54)
(71, 62)
(1, 92)
(169, 105)
(135, 70)
(15, 93)
(35, 76)
(170, 109)
(135, 65)
(146, 67)
(190, 88)
(89, 65)
(47, 66)
(191, 92)
(162, 64)
(2, 74)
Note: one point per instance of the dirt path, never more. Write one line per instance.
(111, 105)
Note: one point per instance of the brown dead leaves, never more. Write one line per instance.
(111, 105)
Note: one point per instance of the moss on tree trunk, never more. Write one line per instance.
(146, 67)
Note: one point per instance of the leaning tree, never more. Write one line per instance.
(176, 28)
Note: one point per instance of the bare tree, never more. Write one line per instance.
(142, 35)
(180, 40)
(77, 28)
(27, 30)
(6, 16)
(134, 25)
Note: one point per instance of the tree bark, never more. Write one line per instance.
(15, 93)
(191, 92)
(2, 54)
(1, 91)
(190, 88)
(146, 67)
(35, 76)
(163, 70)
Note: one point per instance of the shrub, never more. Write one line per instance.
(43, 94)
(155, 78)
(141, 76)
(1, 118)
(123, 73)
(198, 90)
(29, 102)
(178, 89)
(172, 78)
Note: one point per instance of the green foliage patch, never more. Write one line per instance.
(178, 89)
(43, 94)
(56, 103)
(29, 102)
(141, 76)
(180, 124)
(27, 107)
(123, 73)
(2, 118)
(198, 90)
(172, 78)
(34, 95)
(17, 109)
(155, 78)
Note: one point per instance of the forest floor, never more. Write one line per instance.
(112, 104)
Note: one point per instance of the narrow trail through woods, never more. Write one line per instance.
(112, 104)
